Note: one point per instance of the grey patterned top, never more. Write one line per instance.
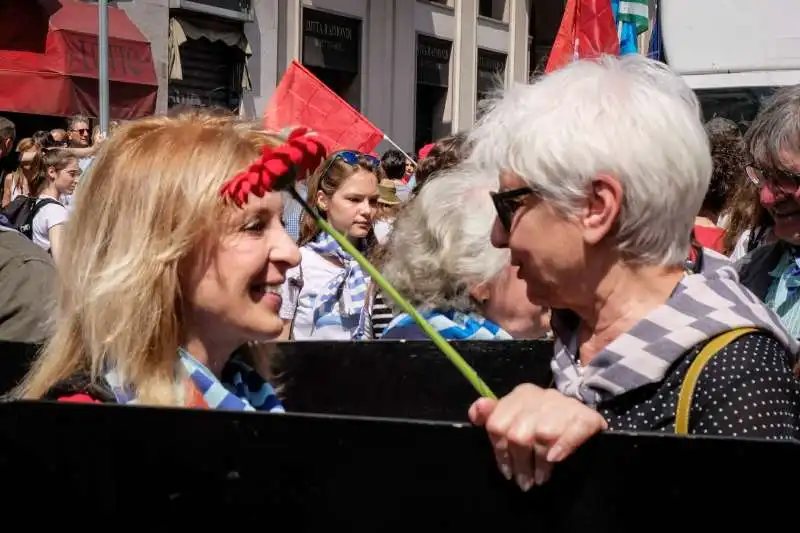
(658, 350)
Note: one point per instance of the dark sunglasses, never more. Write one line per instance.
(82, 131)
(506, 204)
(351, 157)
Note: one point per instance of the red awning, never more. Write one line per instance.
(49, 60)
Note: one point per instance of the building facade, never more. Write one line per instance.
(417, 69)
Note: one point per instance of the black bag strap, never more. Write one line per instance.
(40, 203)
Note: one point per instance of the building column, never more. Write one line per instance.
(403, 90)
(290, 33)
(152, 19)
(518, 49)
(377, 70)
(464, 67)
(262, 34)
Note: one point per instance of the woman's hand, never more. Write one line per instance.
(532, 428)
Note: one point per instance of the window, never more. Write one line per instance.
(212, 71)
(212, 76)
(739, 104)
(332, 51)
(433, 81)
(493, 9)
(545, 19)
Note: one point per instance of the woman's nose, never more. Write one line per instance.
(285, 251)
(499, 235)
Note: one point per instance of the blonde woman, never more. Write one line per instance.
(18, 182)
(165, 283)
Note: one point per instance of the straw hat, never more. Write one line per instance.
(388, 191)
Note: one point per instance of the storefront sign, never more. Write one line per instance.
(127, 61)
(433, 61)
(331, 41)
(491, 71)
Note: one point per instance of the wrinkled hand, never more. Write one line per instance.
(532, 428)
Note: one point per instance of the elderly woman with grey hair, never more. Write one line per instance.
(441, 258)
(603, 166)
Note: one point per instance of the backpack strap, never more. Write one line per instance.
(686, 391)
(37, 206)
(41, 203)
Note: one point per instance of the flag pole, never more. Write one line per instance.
(102, 40)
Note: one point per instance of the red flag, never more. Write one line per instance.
(301, 99)
(587, 31)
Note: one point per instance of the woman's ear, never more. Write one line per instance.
(603, 207)
(322, 201)
(480, 293)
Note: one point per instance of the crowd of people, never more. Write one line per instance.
(658, 253)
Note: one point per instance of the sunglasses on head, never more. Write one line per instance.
(506, 204)
(351, 157)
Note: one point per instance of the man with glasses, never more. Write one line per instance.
(79, 135)
(772, 272)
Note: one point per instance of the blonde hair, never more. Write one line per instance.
(151, 199)
(36, 165)
(26, 144)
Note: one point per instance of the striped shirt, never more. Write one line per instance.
(381, 315)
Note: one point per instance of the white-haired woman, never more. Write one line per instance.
(440, 257)
(603, 166)
(166, 283)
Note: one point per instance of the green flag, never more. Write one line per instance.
(635, 12)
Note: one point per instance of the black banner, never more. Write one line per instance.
(396, 379)
(318, 473)
(399, 379)
(331, 41)
(433, 61)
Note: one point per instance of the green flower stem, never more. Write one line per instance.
(480, 386)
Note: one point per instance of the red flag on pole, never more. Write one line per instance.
(587, 31)
(301, 99)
